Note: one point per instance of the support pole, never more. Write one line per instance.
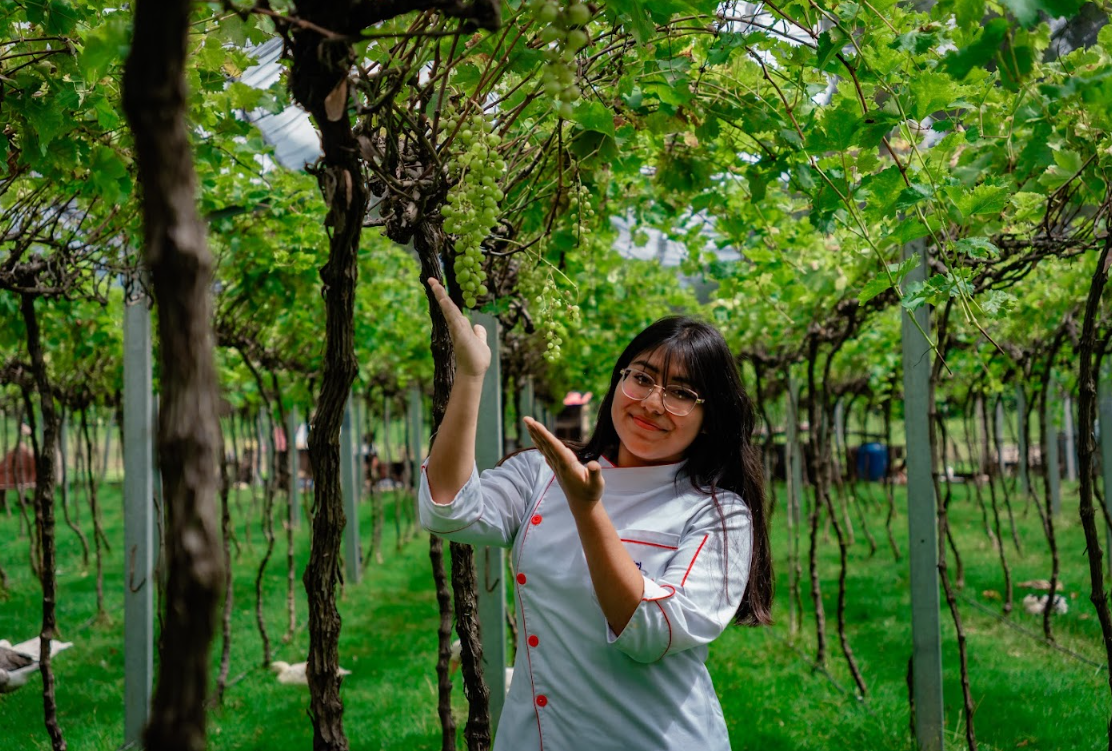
(794, 474)
(139, 541)
(999, 436)
(416, 421)
(1071, 446)
(491, 560)
(527, 410)
(922, 522)
(1051, 463)
(359, 425)
(1104, 401)
(294, 489)
(1021, 432)
(351, 505)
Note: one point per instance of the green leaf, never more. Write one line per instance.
(1066, 165)
(969, 12)
(1025, 11)
(594, 116)
(975, 55)
(108, 174)
(872, 288)
(104, 45)
(55, 16)
(983, 199)
(632, 14)
(831, 43)
(930, 92)
(725, 45)
(976, 247)
(911, 195)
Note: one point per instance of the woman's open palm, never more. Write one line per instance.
(580, 483)
(469, 342)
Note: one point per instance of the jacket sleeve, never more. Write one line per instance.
(696, 597)
(489, 508)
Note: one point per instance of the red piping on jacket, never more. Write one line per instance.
(685, 573)
(653, 544)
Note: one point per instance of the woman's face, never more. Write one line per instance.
(650, 434)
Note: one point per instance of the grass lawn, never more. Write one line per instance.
(1027, 695)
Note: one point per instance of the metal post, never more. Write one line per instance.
(1071, 449)
(416, 443)
(999, 442)
(526, 403)
(262, 454)
(138, 519)
(491, 560)
(295, 483)
(1104, 401)
(351, 504)
(794, 476)
(358, 423)
(1021, 432)
(922, 522)
(1051, 463)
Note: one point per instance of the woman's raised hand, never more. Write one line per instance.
(469, 342)
(581, 484)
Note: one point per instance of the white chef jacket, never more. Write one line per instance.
(576, 686)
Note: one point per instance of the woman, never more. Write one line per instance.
(631, 555)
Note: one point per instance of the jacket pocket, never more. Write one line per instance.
(652, 551)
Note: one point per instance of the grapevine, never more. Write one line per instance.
(471, 207)
(566, 35)
(553, 311)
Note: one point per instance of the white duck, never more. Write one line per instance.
(1036, 604)
(19, 662)
(457, 659)
(295, 675)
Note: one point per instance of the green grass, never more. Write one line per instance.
(1027, 695)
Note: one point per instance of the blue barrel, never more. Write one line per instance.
(872, 461)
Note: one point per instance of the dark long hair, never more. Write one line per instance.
(723, 456)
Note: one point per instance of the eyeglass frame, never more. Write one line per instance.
(625, 373)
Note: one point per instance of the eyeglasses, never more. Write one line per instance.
(677, 400)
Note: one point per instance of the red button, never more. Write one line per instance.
(521, 578)
(536, 519)
(534, 641)
(542, 700)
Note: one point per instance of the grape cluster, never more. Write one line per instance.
(471, 207)
(547, 300)
(580, 202)
(566, 35)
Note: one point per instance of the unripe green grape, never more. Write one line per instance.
(577, 14)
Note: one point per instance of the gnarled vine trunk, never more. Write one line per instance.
(1086, 450)
(44, 516)
(318, 81)
(188, 434)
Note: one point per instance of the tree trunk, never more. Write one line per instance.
(229, 591)
(177, 256)
(319, 71)
(1048, 516)
(44, 515)
(1086, 450)
(94, 511)
(428, 242)
(64, 490)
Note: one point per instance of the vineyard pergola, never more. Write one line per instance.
(216, 223)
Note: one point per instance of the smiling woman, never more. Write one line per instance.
(631, 555)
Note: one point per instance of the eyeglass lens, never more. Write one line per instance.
(677, 400)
